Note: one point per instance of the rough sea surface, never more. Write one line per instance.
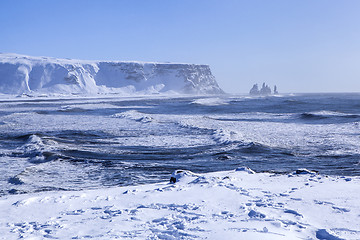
(81, 143)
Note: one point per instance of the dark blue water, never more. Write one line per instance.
(67, 144)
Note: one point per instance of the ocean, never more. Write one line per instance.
(53, 144)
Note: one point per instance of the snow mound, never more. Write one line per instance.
(20, 74)
(245, 169)
(181, 175)
(304, 171)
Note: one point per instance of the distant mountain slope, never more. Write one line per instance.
(24, 74)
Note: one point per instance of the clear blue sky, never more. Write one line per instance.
(299, 45)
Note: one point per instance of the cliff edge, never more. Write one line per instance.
(24, 74)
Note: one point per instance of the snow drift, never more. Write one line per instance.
(24, 74)
(238, 204)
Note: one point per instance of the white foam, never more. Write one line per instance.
(211, 101)
(330, 113)
(135, 115)
(228, 136)
(275, 134)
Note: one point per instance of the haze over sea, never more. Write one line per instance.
(81, 143)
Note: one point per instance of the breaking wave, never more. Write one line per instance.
(211, 101)
(38, 150)
(224, 136)
(111, 142)
(134, 115)
(329, 117)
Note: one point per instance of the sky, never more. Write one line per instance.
(298, 45)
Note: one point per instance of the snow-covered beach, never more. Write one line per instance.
(222, 205)
(95, 161)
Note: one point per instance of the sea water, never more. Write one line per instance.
(81, 143)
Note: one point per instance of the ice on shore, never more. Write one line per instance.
(236, 204)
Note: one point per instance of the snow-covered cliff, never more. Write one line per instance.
(24, 74)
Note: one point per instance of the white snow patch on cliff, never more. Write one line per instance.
(21, 74)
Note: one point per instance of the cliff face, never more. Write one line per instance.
(24, 74)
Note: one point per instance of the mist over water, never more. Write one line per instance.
(70, 144)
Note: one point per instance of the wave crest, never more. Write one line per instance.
(322, 115)
(135, 115)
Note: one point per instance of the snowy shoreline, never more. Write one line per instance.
(219, 205)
